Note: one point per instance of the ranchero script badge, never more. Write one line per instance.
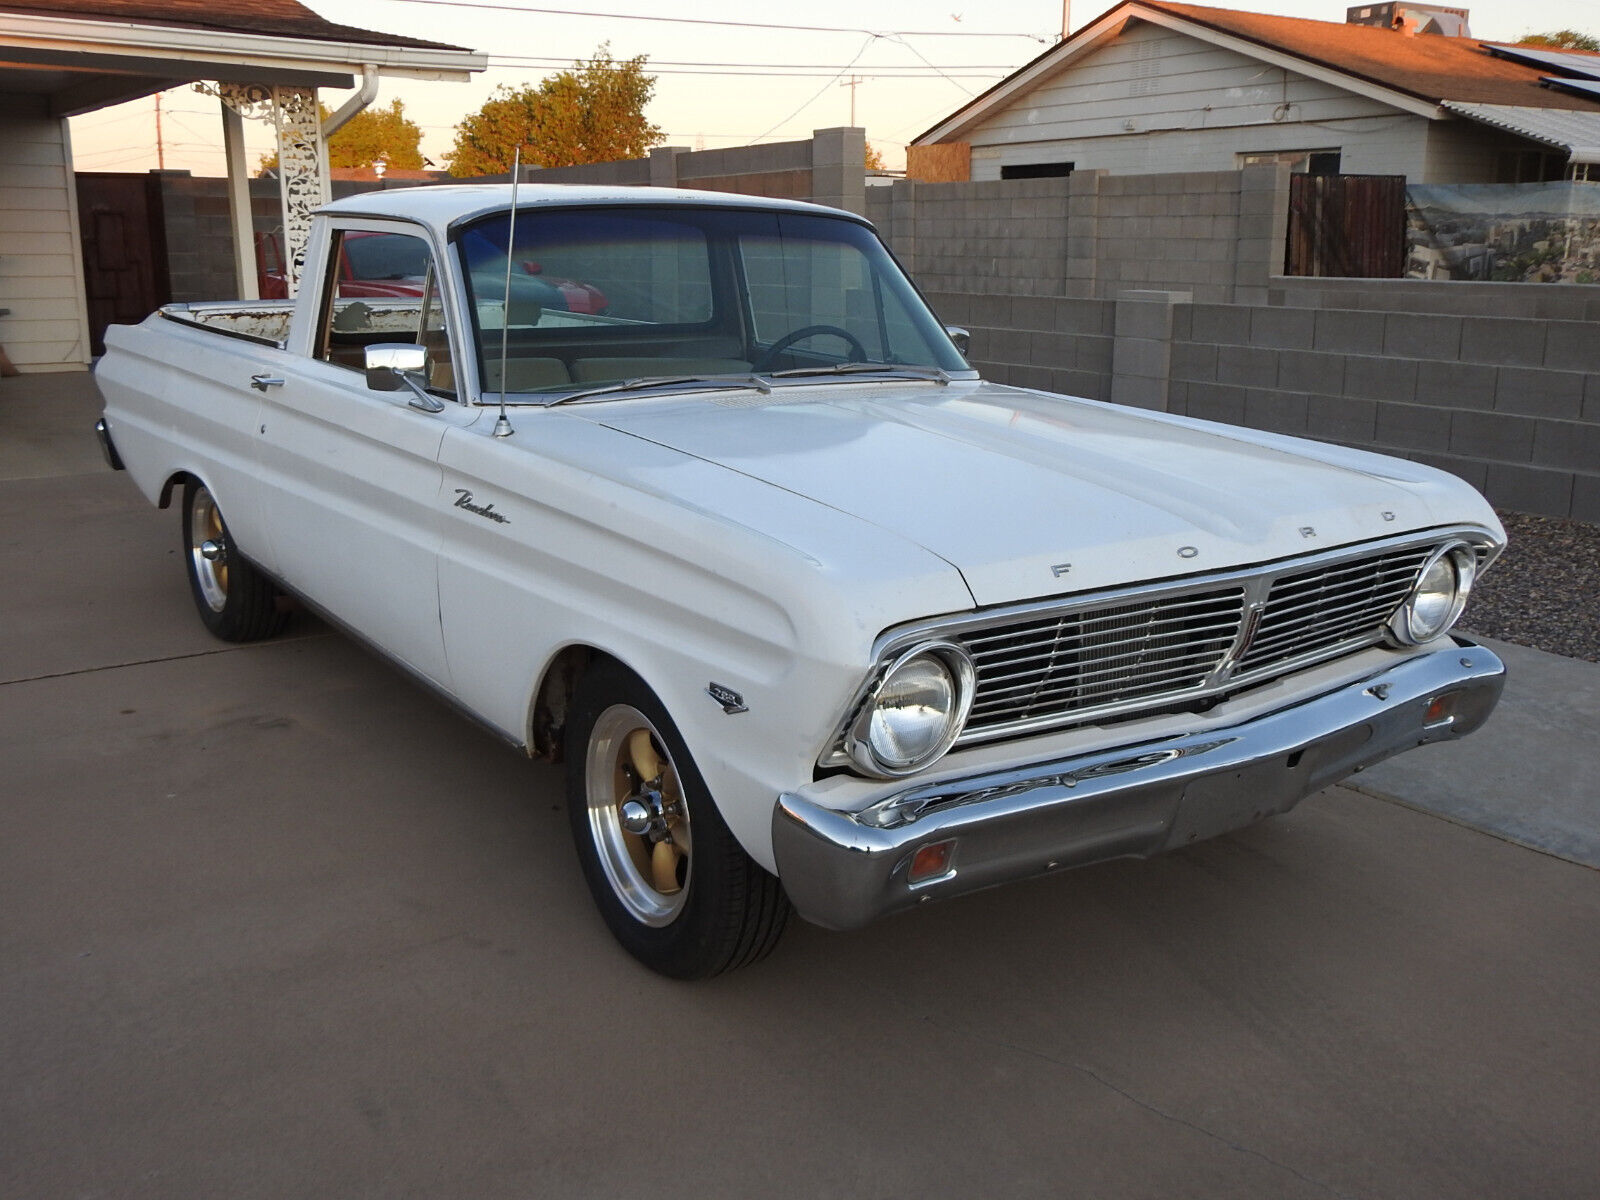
(464, 500)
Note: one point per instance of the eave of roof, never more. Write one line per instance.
(260, 18)
(1418, 72)
(1578, 133)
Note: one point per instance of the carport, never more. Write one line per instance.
(263, 59)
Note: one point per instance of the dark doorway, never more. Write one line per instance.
(122, 226)
(1350, 226)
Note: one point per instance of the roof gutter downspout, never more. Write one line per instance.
(368, 93)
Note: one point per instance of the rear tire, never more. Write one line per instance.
(672, 883)
(236, 601)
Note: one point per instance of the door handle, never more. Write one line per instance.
(264, 380)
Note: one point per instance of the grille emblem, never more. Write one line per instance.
(1241, 645)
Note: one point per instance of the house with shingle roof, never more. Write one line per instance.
(263, 59)
(1151, 87)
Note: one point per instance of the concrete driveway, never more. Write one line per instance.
(275, 923)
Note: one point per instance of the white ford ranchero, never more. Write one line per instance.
(693, 492)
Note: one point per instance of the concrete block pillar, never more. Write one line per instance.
(664, 165)
(1141, 351)
(839, 168)
(1083, 231)
(1263, 230)
(903, 224)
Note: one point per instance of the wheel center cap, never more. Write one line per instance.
(644, 814)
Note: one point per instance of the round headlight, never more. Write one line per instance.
(916, 712)
(1438, 597)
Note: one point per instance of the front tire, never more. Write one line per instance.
(235, 601)
(672, 883)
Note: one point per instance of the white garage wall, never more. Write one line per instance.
(41, 266)
(1157, 101)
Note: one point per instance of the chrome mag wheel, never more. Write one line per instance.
(638, 819)
(208, 549)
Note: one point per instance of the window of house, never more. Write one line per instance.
(1301, 162)
(1047, 170)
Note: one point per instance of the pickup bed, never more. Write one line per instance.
(817, 619)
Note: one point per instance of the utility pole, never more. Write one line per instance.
(161, 149)
(852, 83)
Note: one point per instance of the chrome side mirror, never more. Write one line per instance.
(960, 337)
(391, 367)
(387, 364)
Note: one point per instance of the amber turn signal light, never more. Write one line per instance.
(1441, 710)
(932, 861)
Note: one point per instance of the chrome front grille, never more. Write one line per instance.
(1089, 658)
(1047, 667)
(1313, 611)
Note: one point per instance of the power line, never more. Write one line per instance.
(871, 37)
(652, 64)
(776, 72)
(919, 54)
(612, 16)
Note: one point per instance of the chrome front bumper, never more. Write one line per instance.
(108, 450)
(843, 870)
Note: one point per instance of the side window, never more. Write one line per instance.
(384, 287)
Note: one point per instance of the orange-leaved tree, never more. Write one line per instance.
(593, 112)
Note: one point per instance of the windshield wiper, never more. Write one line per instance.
(650, 382)
(901, 370)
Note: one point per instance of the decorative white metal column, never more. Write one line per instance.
(302, 170)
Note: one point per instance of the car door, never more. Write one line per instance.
(351, 478)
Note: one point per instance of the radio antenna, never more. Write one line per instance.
(502, 427)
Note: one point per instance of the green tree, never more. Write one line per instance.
(874, 158)
(1562, 39)
(370, 135)
(593, 112)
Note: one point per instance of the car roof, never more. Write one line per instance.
(444, 206)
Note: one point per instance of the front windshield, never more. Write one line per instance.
(599, 296)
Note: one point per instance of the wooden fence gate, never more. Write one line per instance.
(124, 250)
(1351, 226)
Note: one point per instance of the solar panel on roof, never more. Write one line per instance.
(1584, 87)
(1584, 66)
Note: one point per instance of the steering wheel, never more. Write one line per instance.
(858, 352)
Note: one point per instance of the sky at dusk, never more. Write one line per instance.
(717, 84)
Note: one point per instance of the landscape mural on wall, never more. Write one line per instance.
(1510, 232)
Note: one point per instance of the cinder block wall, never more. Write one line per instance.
(1509, 403)
(199, 239)
(1061, 282)
(827, 168)
(1054, 343)
(1218, 235)
(995, 237)
(200, 235)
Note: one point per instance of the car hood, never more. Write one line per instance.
(1029, 494)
